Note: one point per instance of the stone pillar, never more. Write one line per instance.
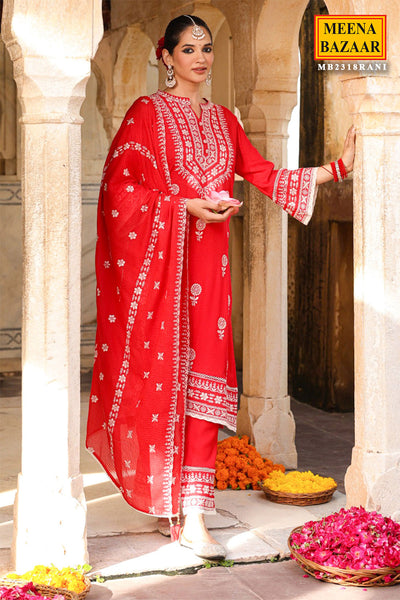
(51, 46)
(265, 412)
(373, 479)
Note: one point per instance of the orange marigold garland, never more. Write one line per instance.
(239, 466)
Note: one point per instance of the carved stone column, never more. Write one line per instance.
(51, 46)
(265, 412)
(373, 479)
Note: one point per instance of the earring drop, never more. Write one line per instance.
(170, 80)
(209, 78)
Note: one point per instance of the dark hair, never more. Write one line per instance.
(177, 26)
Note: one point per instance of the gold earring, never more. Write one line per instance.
(170, 80)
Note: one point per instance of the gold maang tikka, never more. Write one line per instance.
(197, 32)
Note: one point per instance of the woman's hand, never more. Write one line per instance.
(211, 212)
(349, 149)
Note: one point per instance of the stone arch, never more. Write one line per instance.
(130, 70)
(276, 50)
(94, 138)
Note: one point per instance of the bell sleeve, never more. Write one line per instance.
(294, 190)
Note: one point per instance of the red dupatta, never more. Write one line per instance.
(138, 390)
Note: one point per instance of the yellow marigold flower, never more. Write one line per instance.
(296, 482)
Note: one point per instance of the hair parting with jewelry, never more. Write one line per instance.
(176, 27)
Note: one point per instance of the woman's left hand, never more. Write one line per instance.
(349, 149)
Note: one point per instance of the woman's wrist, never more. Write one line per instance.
(336, 169)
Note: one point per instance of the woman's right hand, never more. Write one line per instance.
(211, 212)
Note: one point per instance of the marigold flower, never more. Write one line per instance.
(222, 485)
(296, 482)
(66, 578)
(244, 465)
(222, 475)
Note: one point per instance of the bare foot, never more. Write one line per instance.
(195, 530)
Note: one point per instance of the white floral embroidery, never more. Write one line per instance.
(130, 121)
(158, 387)
(224, 261)
(106, 264)
(200, 226)
(192, 356)
(126, 172)
(105, 187)
(221, 328)
(101, 376)
(144, 208)
(94, 399)
(146, 374)
(161, 255)
(129, 492)
(129, 434)
(162, 325)
(115, 213)
(160, 356)
(154, 418)
(132, 235)
(175, 189)
(127, 464)
(147, 345)
(112, 318)
(152, 510)
(152, 448)
(120, 262)
(195, 290)
(150, 315)
(130, 188)
(150, 479)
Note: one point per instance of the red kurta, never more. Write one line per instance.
(164, 340)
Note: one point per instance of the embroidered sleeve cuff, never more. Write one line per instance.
(295, 191)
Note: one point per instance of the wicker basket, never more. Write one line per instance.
(360, 577)
(298, 499)
(47, 590)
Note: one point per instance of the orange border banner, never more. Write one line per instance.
(350, 37)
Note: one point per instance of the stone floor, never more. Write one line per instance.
(137, 563)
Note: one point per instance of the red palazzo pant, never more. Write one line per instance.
(198, 471)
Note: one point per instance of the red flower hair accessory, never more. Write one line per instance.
(160, 47)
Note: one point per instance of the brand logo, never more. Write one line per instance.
(350, 37)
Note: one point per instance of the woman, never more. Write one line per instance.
(164, 377)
